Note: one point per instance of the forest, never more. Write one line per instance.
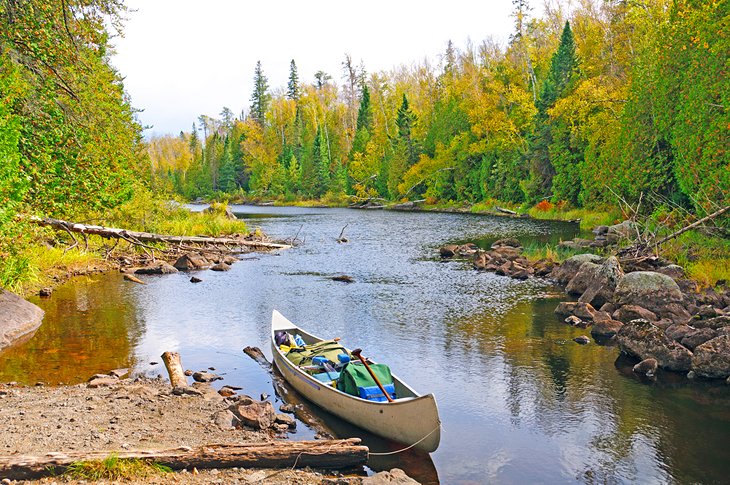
(610, 101)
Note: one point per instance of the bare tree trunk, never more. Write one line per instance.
(693, 225)
(137, 237)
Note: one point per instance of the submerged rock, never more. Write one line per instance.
(646, 367)
(191, 261)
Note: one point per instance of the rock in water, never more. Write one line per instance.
(18, 318)
(343, 278)
(602, 288)
(569, 268)
(646, 367)
(221, 267)
(195, 279)
(712, 358)
(587, 274)
(206, 377)
(190, 261)
(160, 267)
(644, 340)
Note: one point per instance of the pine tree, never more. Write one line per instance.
(405, 120)
(321, 162)
(364, 122)
(292, 87)
(260, 98)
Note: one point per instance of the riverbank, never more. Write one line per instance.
(109, 413)
(644, 304)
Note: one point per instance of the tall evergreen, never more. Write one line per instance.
(260, 98)
(405, 120)
(364, 123)
(321, 163)
(559, 82)
(292, 87)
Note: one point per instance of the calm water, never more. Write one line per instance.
(519, 400)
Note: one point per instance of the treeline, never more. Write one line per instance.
(69, 142)
(618, 99)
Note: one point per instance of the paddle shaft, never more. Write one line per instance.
(357, 353)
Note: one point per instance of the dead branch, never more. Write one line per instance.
(693, 225)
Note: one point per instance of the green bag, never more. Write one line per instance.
(355, 376)
(328, 349)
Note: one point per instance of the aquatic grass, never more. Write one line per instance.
(114, 468)
(535, 251)
(589, 218)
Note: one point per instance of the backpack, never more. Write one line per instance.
(357, 381)
(328, 349)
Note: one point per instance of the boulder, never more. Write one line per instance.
(18, 318)
(599, 317)
(565, 308)
(229, 260)
(644, 340)
(632, 312)
(289, 421)
(507, 252)
(206, 377)
(225, 419)
(161, 267)
(396, 476)
(467, 249)
(220, 267)
(582, 340)
(625, 229)
(712, 358)
(714, 323)
(254, 414)
(674, 271)
(606, 328)
(602, 288)
(608, 308)
(584, 311)
(195, 279)
(656, 292)
(698, 337)
(191, 261)
(600, 230)
(565, 272)
(646, 367)
(678, 331)
(587, 273)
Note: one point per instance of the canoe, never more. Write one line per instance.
(410, 419)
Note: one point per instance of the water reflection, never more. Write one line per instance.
(91, 326)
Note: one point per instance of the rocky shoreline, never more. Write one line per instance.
(139, 413)
(645, 306)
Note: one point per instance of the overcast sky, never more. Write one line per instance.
(184, 58)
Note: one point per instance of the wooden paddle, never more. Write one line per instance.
(357, 353)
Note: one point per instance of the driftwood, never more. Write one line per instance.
(175, 369)
(289, 454)
(139, 238)
(505, 211)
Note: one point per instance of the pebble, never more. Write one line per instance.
(582, 340)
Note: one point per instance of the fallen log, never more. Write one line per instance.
(335, 454)
(141, 237)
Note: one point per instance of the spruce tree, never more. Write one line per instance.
(292, 87)
(364, 122)
(260, 97)
(559, 82)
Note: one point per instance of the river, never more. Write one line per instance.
(520, 401)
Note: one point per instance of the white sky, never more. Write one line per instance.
(183, 58)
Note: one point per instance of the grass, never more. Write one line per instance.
(114, 468)
(705, 259)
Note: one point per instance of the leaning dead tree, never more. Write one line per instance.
(335, 454)
(139, 238)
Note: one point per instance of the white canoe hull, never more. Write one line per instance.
(407, 420)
